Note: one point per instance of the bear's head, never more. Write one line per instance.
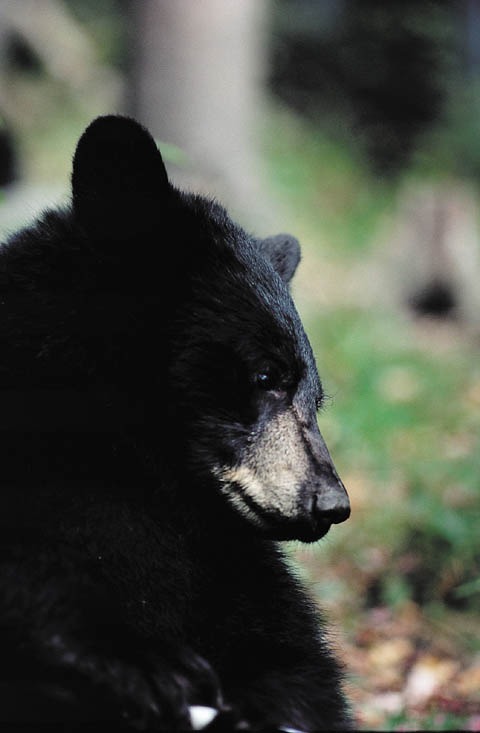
(171, 301)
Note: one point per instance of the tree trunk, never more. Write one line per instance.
(197, 73)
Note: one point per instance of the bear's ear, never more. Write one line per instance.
(119, 181)
(283, 252)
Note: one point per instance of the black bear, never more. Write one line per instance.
(158, 437)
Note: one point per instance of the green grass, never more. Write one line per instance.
(408, 420)
(435, 721)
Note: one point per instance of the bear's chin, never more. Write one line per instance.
(297, 532)
(286, 530)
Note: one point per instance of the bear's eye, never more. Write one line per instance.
(270, 380)
(265, 380)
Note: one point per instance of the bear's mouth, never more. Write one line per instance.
(273, 524)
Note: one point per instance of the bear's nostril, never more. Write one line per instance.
(339, 513)
(331, 507)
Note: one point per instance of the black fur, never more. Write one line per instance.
(133, 326)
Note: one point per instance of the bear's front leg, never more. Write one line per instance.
(66, 644)
(73, 679)
(151, 690)
(303, 697)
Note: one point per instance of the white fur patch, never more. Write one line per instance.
(229, 476)
(272, 469)
(201, 716)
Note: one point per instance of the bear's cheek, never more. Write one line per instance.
(269, 471)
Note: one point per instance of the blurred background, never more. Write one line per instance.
(353, 124)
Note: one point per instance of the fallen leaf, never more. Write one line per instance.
(427, 675)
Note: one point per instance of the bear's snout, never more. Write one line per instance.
(325, 499)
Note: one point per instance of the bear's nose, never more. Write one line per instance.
(327, 500)
(330, 506)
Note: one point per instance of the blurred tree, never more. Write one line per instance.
(196, 81)
(376, 70)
